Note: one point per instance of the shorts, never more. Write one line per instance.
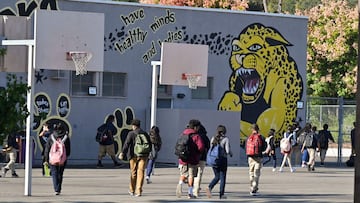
(106, 149)
(188, 170)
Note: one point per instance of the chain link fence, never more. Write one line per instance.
(339, 114)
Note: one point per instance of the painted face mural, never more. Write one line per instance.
(265, 84)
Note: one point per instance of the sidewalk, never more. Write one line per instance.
(331, 183)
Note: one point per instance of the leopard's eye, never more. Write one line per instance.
(255, 47)
(235, 47)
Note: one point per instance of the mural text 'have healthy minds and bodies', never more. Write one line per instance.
(138, 34)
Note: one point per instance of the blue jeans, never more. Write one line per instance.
(220, 174)
(57, 176)
(273, 156)
(305, 156)
(150, 166)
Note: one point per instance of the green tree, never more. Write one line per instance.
(332, 49)
(224, 4)
(13, 109)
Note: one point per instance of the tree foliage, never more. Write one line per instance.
(225, 4)
(332, 49)
(13, 109)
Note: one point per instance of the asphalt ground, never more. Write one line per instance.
(332, 183)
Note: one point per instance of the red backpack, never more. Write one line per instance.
(57, 154)
(254, 145)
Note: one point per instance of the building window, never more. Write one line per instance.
(113, 84)
(80, 83)
(203, 92)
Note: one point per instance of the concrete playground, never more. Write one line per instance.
(332, 183)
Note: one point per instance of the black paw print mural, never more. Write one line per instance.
(43, 109)
(123, 124)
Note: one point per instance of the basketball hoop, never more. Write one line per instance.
(192, 79)
(80, 60)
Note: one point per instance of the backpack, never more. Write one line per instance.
(182, 146)
(268, 147)
(301, 138)
(215, 156)
(57, 154)
(142, 145)
(102, 136)
(310, 140)
(285, 145)
(254, 145)
(323, 139)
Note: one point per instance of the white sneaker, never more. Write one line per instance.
(281, 170)
(148, 181)
(293, 170)
(274, 169)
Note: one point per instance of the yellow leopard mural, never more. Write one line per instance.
(265, 84)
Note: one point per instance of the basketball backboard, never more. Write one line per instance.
(57, 33)
(178, 59)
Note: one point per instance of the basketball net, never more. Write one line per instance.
(80, 60)
(193, 80)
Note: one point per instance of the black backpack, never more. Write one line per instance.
(182, 147)
(103, 134)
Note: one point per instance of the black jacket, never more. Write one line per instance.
(50, 142)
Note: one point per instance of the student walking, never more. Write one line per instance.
(221, 169)
(105, 138)
(137, 162)
(286, 145)
(10, 148)
(43, 137)
(255, 145)
(270, 149)
(323, 138)
(156, 145)
(202, 162)
(310, 144)
(188, 167)
(57, 170)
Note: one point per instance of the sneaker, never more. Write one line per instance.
(57, 193)
(99, 165)
(274, 169)
(137, 195)
(208, 192)
(222, 197)
(4, 171)
(313, 169)
(281, 170)
(254, 193)
(131, 193)
(303, 165)
(14, 175)
(191, 196)
(148, 181)
(178, 190)
(293, 170)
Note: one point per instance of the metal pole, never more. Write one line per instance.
(154, 92)
(357, 131)
(340, 137)
(28, 155)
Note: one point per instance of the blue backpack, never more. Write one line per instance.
(215, 156)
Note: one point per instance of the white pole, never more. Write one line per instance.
(28, 154)
(154, 92)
